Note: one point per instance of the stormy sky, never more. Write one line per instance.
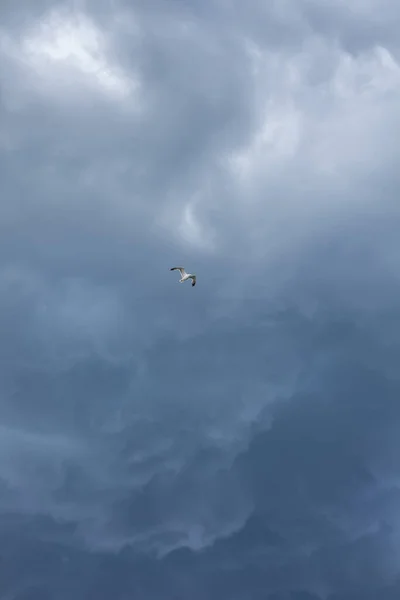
(239, 440)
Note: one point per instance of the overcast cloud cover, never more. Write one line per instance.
(235, 441)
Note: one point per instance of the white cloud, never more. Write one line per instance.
(287, 124)
(315, 140)
(180, 218)
(65, 53)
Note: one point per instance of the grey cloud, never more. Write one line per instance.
(309, 479)
(235, 440)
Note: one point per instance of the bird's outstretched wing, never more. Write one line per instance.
(193, 280)
(181, 269)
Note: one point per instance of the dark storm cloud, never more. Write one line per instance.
(235, 440)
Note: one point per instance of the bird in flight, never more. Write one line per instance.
(185, 276)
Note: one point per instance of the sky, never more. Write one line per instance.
(238, 440)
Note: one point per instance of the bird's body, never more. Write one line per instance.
(185, 276)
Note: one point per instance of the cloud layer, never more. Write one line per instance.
(236, 440)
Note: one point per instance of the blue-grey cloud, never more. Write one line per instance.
(235, 440)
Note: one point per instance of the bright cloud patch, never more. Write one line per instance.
(67, 53)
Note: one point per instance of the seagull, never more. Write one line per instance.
(185, 276)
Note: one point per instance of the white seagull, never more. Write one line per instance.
(185, 276)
